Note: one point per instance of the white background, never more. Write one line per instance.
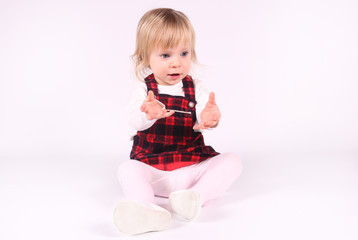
(284, 73)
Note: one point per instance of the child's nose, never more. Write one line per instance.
(175, 62)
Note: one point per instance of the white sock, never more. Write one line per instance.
(185, 203)
(135, 218)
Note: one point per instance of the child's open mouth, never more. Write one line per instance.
(174, 75)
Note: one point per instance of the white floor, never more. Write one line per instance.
(279, 196)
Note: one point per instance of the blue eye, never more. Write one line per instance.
(184, 53)
(164, 55)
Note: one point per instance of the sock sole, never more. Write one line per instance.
(133, 218)
(185, 203)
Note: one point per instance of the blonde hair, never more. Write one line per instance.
(163, 28)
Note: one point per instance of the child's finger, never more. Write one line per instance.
(216, 117)
(149, 116)
(205, 125)
(199, 126)
(150, 96)
(212, 123)
(212, 98)
(171, 112)
(208, 123)
(160, 114)
(168, 114)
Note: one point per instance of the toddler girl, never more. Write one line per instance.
(168, 110)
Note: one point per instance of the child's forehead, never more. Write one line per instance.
(179, 46)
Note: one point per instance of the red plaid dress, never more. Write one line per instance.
(171, 142)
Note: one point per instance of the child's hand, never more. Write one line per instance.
(210, 115)
(153, 108)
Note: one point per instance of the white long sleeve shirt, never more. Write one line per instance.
(137, 119)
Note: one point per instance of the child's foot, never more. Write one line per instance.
(185, 203)
(135, 218)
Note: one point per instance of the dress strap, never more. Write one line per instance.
(188, 87)
(152, 84)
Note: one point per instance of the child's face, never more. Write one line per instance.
(170, 66)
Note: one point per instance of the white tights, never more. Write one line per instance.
(210, 178)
